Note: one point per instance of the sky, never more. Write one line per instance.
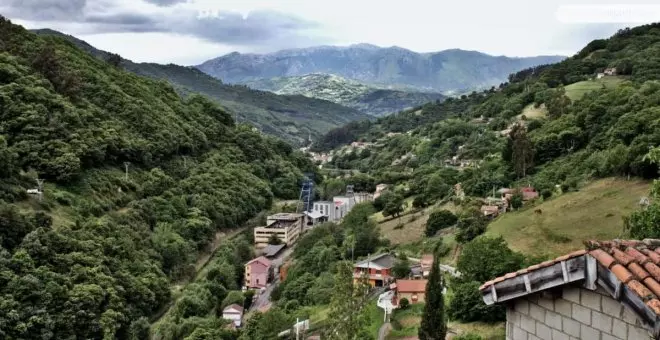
(189, 32)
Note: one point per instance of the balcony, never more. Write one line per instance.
(371, 276)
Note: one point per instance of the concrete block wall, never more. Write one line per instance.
(579, 314)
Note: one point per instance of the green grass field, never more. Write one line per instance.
(575, 91)
(531, 112)
(594, 212)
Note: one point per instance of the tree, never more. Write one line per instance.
(470, 226)
(486, 258)
(439, 220)
(522, 151)
(516, 201)
(434, 324)
(467, 304)
(645, 223)
(113, 59)
(274, 239)
(394, 204)
(348, 300)
(401, 267)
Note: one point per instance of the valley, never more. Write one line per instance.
(328, 192)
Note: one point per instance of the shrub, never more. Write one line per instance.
(467, 305)
(546, 194)
(439, 220)
(404, 303)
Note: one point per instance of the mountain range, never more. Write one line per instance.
(293, 118)
(364, 98)
(391, 67)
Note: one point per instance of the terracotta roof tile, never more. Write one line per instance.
(621, 273)
(652, 285)
(604, 258)
(654, 304)
(655, 257)
(640, 290)
(637, 255)
(635, 263)
(639, 272)
(653, 270)
(621, 257)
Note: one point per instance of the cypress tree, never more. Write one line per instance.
(434, 325)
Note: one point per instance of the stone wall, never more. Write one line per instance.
(578, 314)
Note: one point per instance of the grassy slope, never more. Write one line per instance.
(575, 91)
(531, 112)
(594, 212)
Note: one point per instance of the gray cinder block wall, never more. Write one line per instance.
(579, 314)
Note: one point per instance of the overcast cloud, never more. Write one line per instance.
(191, 31)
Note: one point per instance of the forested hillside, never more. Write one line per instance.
(137, 182)
(607, 131)
(367, 99)
(290, 117)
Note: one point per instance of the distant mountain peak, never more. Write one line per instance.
(394, 66)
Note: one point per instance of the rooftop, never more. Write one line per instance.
(411, 286)
(259, 259)
(285, 216)
(380, 261)
(272, 250)
(234, 307)
(629, 270)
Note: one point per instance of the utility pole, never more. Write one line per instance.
(126, 164)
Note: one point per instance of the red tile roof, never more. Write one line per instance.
(635, 263)
(411, 286)
(261, 259)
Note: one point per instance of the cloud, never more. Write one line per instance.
(165, 3)
(45, 10)
(257, 28)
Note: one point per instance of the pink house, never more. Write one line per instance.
(258, 272)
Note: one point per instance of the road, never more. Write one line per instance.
(263, 299)
(384, 330)
(443, 267)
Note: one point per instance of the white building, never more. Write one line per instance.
(234, 313)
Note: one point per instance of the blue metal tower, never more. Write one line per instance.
(307, 192)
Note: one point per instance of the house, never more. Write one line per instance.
(286, 226)
(234, 313)
(611, 290)
(600, 75)
(362, 197)
(426, 262)
(272, 250)
(416, 272)
(331, 210)
(379, 190)
(412, 290)
(258, 272)
(377, 269)
(490, 211)
(528, 193)
(610, 71)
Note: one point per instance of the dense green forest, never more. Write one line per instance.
(604, 132)
(137, 182)
(290, 117)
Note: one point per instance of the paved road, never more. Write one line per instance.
(263, 299)
(384, 330)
